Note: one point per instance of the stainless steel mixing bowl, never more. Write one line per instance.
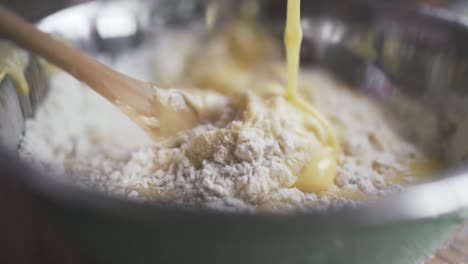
(421, 51)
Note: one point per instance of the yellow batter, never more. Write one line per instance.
(13, 63)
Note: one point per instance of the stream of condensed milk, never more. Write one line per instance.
(319, 173)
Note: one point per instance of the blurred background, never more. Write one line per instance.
(34, 10)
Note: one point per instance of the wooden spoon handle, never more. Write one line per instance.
(116, 87)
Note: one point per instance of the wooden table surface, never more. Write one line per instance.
(455, 251)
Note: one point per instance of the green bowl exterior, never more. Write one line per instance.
(104, 237)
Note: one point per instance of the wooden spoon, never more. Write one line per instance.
(161, 112)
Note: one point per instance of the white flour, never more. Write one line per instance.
(78, 135)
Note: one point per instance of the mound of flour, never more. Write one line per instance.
(78, 135)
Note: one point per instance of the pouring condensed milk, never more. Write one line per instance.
(319, 173)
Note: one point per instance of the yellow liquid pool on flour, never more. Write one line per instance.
(319, 173)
